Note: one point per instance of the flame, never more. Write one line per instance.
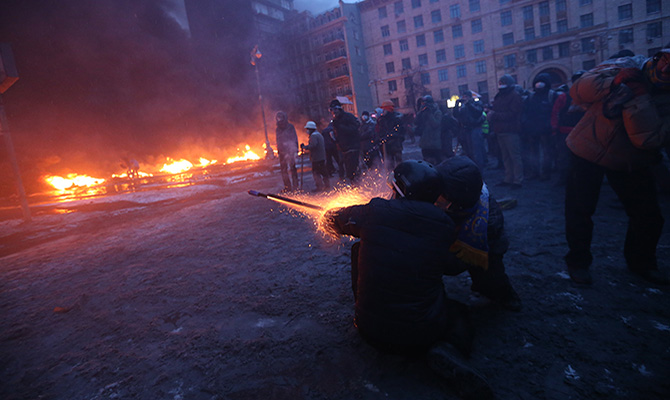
(205, 162)
(247, 156)
(72, 181)
(176, 166)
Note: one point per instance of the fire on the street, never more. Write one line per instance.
(85, 185)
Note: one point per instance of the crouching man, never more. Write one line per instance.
(396, 268)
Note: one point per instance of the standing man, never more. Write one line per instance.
(391, 134)
(369, 142)
(537, 128)
(505, 119)
(430, 118)
(345, 128)
(287, 147)
(317, 155)
(470, 115)
(626, 123)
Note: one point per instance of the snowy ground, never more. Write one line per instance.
(204, 292)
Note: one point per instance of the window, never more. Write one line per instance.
(588, 44)
(474, 5)
(398, 7)
(395, 101)
(390, 67)
(531, 56)
(441, 56)
(408, 82)
(393, 86)
(476, 25)
(457, 31)
(561, 6)
(418, 21)
(562, 25)
(385, 31)
(438, 36)
(461, 71)
(588, 64)
(564, 49)
(382, 12)
(528, 13)
(653, 6)
(529, 33)
(506, 18)
(625, 12)
(478, 46)
(406, 63)
(442, 75)
(416, 3)
(625, 36)
(425, 78)
(544, 9)
(586, 20)
(420, 40)
(483, 88)
(436, 16)
(423, 59)
(545, 30)
(459, 51)
(445, 93)
(402, 27)
(654, 30)
(504, 1)
(547, 53)
(584, 2)
(433, 1)
(480, 67)
(404, 46)
(463, 88)
(388, 50)
(509, 60)
(455, 10)
(508, 38)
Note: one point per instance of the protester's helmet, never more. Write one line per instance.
(310, 125)
(335, 104)
(387, 105)
(461, 181)
(416, 180)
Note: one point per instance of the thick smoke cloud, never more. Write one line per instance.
(104, 80)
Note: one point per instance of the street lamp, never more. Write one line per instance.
(255, 58)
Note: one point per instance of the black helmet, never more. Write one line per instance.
(417, 180)
(461, 181)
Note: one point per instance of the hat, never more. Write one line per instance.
(577, 75)
(388, 105)
(310, 125)
(335, 103)
(461, 181)
(507, 79)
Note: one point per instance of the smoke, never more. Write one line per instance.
(108, 79)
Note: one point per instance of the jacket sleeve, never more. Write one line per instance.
(556, 110)
(647, 127)
(592, 87)
(345, 221)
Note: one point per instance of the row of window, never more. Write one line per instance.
(442, 75)
(438, 37)
(456, 30)
(440, 57)
(454, 9)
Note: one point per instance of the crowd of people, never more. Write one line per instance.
(612, 122)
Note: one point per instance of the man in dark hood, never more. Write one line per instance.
(287, 147)
(470, 114)
(505, 119)
(537, 128)
(345, 129)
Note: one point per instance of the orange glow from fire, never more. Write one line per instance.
(72, 181)
(175, 167)
(247, 156)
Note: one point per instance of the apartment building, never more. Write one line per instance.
(442, 47)
(327, 61)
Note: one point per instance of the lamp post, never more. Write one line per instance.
(255, 58)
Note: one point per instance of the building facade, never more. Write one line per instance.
(327, 61)
(440, 47)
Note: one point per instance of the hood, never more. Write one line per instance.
(507, 79)
(461, 181)
(543, 77)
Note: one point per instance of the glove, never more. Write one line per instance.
(633, 78)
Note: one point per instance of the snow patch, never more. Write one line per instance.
(265, 322)
(563, 275)
(571, 374)
(642, 369)
(660, 326)
(654, 291)
(177, 330)
(371, 387)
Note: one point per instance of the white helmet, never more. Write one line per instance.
(310, 125)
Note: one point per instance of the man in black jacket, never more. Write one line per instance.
(345, 128)
(397, 268)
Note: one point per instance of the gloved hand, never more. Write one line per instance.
(633, 78)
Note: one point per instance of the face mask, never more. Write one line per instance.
(539, 85)
(365, 118)
(502, 86)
